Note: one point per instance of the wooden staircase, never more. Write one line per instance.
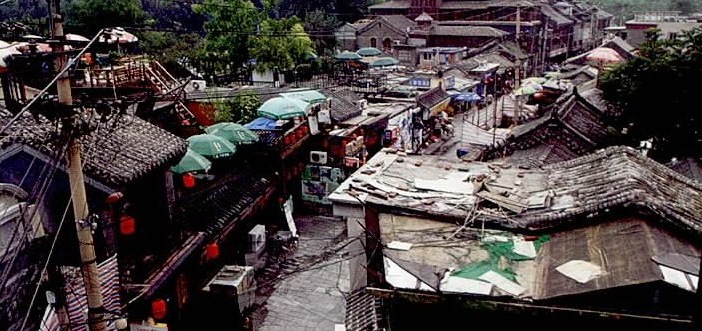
(171, 89)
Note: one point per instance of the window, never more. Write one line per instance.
(373, 42)
(672, 35)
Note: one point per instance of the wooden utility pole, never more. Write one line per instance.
(96, 310)
(517, 72)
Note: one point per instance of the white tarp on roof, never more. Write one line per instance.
(503, 283)
(581, 271)
(464, 285)
(524, 248)
(679, 278)
(401, 278)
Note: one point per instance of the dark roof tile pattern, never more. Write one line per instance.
(615, 180)
(467, 31)
(584, 120)
(363, 312)
(213, 208)
(554, 15)
(432, 97)
(399, 21)
(620, 176)
(122, 150)
(343, 104)
(394, 4)
(689, 167)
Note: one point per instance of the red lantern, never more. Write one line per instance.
(158, 308)
(212, 251)
(114, 197)
(127, 225)
(539, 95)
(189, 180)
(300, 132)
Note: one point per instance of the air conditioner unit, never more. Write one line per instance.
(318, 157)
(195, 86)
(362, 104)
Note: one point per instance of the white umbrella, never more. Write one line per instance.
(32, 36)
(76, 37)
(117, 35)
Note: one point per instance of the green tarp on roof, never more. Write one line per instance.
(497, 250)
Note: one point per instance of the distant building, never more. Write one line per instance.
(670, 25)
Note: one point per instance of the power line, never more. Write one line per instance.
(94, 148)
(65, 69)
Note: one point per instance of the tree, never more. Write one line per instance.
(281, 44)
(169, 48)
(301, 8)
(89, 16)
(657, 91)
(683, 6)
(351, 10)
(241, 109)
(321, 26)
(230, 28)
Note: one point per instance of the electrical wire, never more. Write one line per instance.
(58, 76)
(44, 186)
(91, 150)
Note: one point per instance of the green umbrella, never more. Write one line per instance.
(232, 132)
(281, 108)
(347, 55)
(527, 90)
(384, 62)
(192, 162)
(369, 51)
(211, 146)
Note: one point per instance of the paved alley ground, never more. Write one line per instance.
(307, 290)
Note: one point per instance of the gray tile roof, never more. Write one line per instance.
(343, 104)
(615, 178)
(215, 207)
(432, 97)
(689, 167)
(394, 4)
(466, 31)
(399, 21)
(123, 150)
(554, 15)
(474, 4)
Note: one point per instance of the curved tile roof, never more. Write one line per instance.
(122, 150)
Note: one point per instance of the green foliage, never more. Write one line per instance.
(241, 109)
(657, 91)
(89, 16)
(230, 27)
(280, 45)
(322, 26)
(168, 48)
